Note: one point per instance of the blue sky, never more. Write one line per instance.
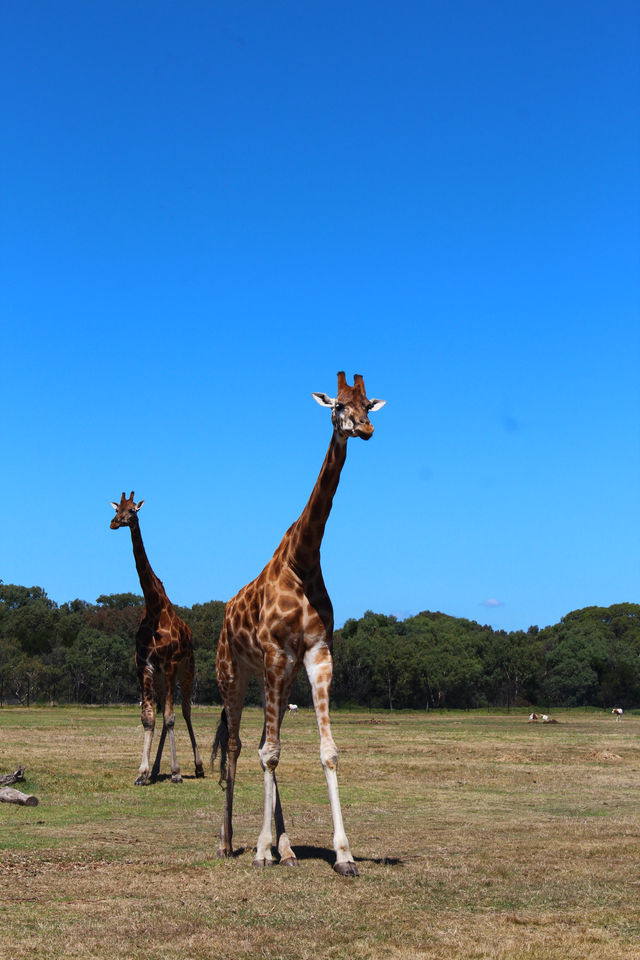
(208, 209)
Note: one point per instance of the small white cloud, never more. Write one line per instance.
(492, 602)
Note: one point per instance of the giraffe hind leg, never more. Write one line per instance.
(228, 745)
(233, 680)
(170, 724)
(263, 857)
(186, 687)
(286, 854)
(159, 687)
(278, 679)
(155, 770)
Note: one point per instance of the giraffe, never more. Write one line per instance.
(164, 653)
(280, 620)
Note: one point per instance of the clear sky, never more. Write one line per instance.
(209, 208)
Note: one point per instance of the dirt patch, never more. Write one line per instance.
(601, 755)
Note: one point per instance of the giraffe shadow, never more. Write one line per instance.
(161, 777)
(303, 852)
(328, 855)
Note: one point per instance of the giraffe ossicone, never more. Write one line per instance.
(164, 654)
(279, 621)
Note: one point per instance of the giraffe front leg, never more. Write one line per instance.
(319, 667)
(148, 723)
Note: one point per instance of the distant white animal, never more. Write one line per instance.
(544, 718)
(617, 711)
(292, 707)
(533, 716)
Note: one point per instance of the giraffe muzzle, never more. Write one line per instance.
(364, 430)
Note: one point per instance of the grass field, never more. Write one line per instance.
(475, 835)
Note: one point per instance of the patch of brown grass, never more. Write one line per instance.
(476, 837)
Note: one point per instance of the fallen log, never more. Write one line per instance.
(9, 795)
(10, 778)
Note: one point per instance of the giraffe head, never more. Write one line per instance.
(126, 510)
(351, 408)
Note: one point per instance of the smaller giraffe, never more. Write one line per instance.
(164, 654)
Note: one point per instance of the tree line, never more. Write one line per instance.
(80, 652)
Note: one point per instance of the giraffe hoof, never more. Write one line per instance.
(348, 869)
(223, 854)
(262, 863)
(289, 862)
(142, 780)
(176, 778)
(200, 771)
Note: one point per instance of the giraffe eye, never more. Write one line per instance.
(339, 406)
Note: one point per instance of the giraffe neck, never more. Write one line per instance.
(151, 586)
(308, 530)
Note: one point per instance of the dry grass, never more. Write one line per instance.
(476, 837)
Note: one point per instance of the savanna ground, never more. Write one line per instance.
(476, 835)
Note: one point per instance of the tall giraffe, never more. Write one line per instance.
(281, 619)
(164, 653)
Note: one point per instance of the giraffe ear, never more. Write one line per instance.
(137, 506)
(114, 505)
(376, 405)
(323, 399)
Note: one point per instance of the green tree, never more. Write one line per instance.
(120, 601)
(28, 615)
(513, 666)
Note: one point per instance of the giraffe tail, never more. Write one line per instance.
(220, 743)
